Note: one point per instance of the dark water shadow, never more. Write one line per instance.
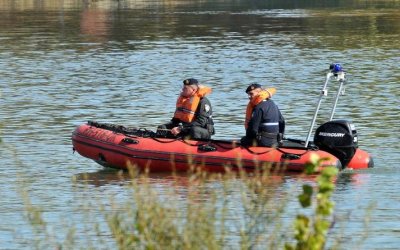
(110, 176)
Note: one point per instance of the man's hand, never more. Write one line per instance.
(176, 130)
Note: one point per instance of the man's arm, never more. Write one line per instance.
(203, 112)
(254, 123)
(281, 123)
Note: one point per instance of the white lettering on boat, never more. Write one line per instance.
(331, 134)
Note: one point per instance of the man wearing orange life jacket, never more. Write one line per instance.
(193, 113)
(264, 122)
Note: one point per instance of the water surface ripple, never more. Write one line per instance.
(63, 65)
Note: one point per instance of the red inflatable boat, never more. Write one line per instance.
(121, 147)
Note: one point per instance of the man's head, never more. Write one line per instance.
(253, 89)
(190, 86)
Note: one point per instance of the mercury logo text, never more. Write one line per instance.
(331, 134)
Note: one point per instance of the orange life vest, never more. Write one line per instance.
(186, 106)
(264, 94)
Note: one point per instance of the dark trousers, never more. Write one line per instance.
(197, 133)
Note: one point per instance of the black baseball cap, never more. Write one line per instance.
(190, 81)
(253, 86)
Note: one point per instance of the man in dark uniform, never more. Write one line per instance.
(265, 124)
(193, 114)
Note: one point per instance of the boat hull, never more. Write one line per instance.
(118, 150)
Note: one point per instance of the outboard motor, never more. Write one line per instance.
(338, 138)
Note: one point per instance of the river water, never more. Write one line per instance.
(65, 62)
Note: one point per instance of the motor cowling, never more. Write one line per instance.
(339, 138)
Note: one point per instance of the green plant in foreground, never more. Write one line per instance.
(154, 221)
(200, 215)
(310, 233)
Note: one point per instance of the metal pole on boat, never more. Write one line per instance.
(341, 78)
(323, 93)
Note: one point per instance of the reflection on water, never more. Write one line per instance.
(107, 176)
(103, 177)
(65, 62)
(94, 24)
(193, 5)
(118, 177)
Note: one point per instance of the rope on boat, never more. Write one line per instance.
(145, 133)
(257, 153)
(135, 132)
(293, 156)
(141, 132)
(286, 155)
